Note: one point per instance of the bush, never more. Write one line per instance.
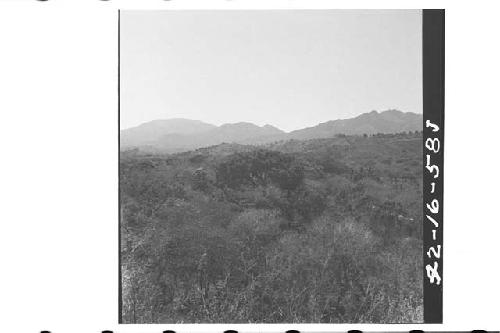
(260, 167)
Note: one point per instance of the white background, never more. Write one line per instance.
(58, 168)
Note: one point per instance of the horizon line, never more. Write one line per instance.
(267, 124)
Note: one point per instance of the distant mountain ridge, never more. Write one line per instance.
(390, 121)
(176, 135)
(148, 133)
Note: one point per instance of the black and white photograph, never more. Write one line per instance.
(249, 166)
(271, 166)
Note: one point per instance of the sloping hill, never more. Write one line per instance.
(177, 135)
(150, 132)
(390, 121)
(247, 133)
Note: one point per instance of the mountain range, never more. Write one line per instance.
(176, 135)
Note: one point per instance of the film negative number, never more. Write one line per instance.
(433, 146)
(431, 167)
(433, 274)
(434, 127)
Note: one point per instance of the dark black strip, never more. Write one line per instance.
(119, 201)
(433, 140)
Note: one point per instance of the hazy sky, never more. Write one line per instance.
(291, 69)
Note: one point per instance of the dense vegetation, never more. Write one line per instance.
(325, 230)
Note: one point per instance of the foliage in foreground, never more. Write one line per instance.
(304, 231)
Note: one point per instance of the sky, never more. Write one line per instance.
(288, 68)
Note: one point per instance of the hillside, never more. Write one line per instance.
(150, 132)
(177, 135)
(390, 121)
(230, 133)
(303, 231)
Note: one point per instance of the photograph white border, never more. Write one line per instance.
(59, 239)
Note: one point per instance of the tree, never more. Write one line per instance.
(200, 180)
